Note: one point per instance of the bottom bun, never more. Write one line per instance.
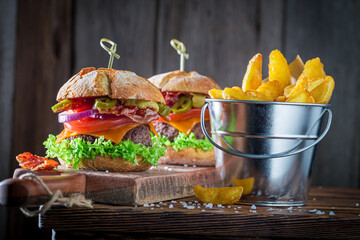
(111, 164)
(189, 156)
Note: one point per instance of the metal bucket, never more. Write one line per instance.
(272, 142)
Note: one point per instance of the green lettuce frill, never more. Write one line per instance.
(72, 152)
(183, 141)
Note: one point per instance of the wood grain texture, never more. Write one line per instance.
(43, 60)
(8, 9)
(330, 30)
(128, 188)
(129, 23)
(240, 220)
(42, 64)
(219, 36)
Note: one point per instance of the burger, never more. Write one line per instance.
(107, 117)
(180, 132)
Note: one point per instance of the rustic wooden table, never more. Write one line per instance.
(330, 213)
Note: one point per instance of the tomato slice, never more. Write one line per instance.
(94, 125)
(194, 112)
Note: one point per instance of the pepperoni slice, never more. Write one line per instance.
(33, 162)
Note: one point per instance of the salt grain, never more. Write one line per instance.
(152, 208)
(290, 208)
(146, 205)
(190, 207)
(229, 206)
(219, 205)
(196, 201)
(151, 205)
(194, 165)
(185, 165)
(314, 210)
(209, 205)
(165, 167)
(173, 201)
(357, 204)
(270, 209)
(237, 211)
(203, 210)
(171, 206)
(253, 207)
(253, 211)
(157, 205)
(332, 213)
(319, 212)
(333, 208)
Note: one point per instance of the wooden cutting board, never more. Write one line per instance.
(133, 188)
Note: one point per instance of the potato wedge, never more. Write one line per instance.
(322, 93)
(246, 183)
(216, 93)
(280, 99)
(301, 84)
(253, 95)
(313, 68)
(253, 76)
(224, 196)
(279, 69)
(311, 99)
(288, 89)
(234, 93)
(313, 83)
(301, 96)
(270, 89)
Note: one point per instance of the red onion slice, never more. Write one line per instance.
(68, 117)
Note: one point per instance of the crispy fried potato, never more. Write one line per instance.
(246, 183)
(279, 69)
(301, 84)
(280, 99)
(301, 96)
(313, 68)
(257, 96)
(311, 99)
(270, 89)
(253, 76)
(313, 83)
(234, 93)
(322, 93)
(216, 93)
(288, 89)
(224, 196)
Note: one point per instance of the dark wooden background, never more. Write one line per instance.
(43, 43)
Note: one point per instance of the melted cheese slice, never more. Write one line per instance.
(186, 125)
(114, 135)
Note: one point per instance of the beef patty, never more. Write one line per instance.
(140, 134)
(170, 132)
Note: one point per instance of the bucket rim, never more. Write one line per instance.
(267, 102)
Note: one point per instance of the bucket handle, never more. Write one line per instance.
(257, 156)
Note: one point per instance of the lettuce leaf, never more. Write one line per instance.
(183, 141)
(72, 152)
